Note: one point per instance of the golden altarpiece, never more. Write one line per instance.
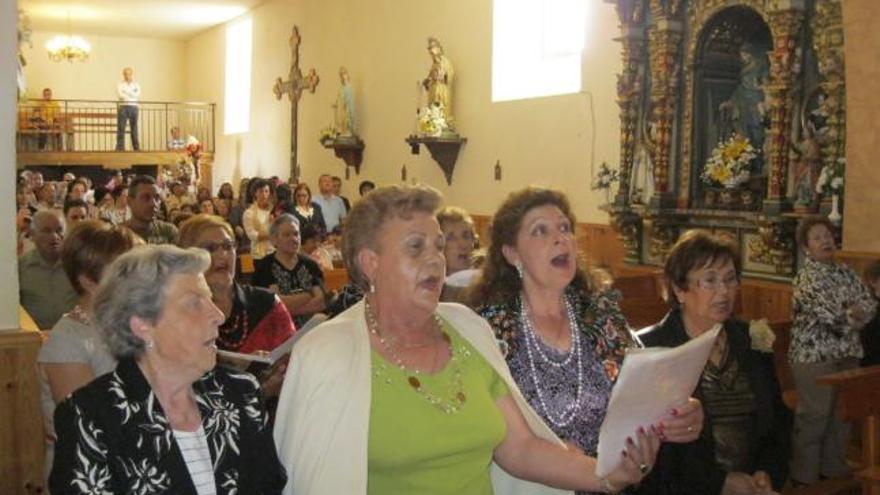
(697, 74)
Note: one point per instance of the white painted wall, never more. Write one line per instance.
(159, 67)
(383, 44)
(8, 265)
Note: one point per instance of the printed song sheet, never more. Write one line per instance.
(651, 382)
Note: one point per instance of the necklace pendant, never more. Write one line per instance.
(414, 382)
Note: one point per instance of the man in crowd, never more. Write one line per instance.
(175, 142)
(44, 290)
(129, 93)
(145, 202)
(47, 119)
(337, 190)
(332, 207)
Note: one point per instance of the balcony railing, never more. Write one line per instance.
(90, 125)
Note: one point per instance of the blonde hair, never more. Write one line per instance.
(362, 225)
(192, 228)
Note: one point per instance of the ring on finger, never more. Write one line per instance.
(644, 468)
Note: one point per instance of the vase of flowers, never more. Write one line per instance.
(729, 168)
(433, 122)
(830, 185)
(604, 179)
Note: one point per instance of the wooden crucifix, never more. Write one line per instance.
(294, 87)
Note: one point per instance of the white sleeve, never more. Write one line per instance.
(249, 223)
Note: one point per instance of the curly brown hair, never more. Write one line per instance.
(499, 282)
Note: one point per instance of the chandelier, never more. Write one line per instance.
(68, 47)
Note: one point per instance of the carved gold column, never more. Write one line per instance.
(785, 65)
(827, 26)
(630, 83)
(664, 35)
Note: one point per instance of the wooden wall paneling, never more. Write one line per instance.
(21, 426)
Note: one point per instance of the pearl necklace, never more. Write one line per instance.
(456, 396)
(533, 347)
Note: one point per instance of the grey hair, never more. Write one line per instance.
(41, 215)
(135, 285)
(280, 220)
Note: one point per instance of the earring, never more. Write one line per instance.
(519, 269)
(372, 288)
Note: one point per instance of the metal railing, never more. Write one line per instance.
(91, 125)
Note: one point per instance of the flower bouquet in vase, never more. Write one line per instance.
(433, 122)
(830, 185)
(728, 168)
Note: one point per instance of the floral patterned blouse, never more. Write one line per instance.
(114, 438)
(820, 331)
(604, 338)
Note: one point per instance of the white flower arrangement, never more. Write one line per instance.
(605, 177)
(432, 120)
(762, 335)
(830, 180)
(729, 164)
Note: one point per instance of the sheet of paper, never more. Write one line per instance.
(651, 382)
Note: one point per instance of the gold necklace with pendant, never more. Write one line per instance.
(449, 405)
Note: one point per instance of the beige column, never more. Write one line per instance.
(8, 260)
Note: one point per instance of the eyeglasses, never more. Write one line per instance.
(714, 282)
(213, 247)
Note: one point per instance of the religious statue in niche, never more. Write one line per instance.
(344, 117)
(743, 113)
(344, 106)
(808, 152)
(436, 118)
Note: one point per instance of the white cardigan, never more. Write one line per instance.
(323, 418)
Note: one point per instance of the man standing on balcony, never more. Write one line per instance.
(129, 92)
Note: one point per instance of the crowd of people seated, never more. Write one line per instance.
(447, 364)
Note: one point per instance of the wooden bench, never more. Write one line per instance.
(858, 399)
(335, 279)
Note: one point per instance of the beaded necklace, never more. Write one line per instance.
(232, 337)
(455, 397)
(533, 347)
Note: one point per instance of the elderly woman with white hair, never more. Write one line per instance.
(166, 420)
(403, 394)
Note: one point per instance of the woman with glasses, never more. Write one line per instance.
(305, 210)
(745, 442)
(255, 318)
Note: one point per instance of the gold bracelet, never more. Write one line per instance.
(607, 487)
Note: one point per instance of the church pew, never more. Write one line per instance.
(858, 399)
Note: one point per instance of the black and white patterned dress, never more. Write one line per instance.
(820, 331)
(114, 438)
(305, 276)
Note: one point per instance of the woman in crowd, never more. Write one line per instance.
(254, 318)
(295, 278)
(225, 193)
(871, 332)
(565, 341)
(311, 246)
(305, 210)
(831, 306)
(202, 194)
(283, 200)
(365, 187)
(400, 394)
(458, 229)
(236, 213)
(167, 420)
(75, 352)
(206, 207)
(256, 218)
(746, 444)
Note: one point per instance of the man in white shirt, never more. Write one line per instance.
(129, 92)
(332, 208)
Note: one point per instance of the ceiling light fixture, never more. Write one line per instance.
(68, 47)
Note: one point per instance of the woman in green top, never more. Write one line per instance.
(400, 394)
